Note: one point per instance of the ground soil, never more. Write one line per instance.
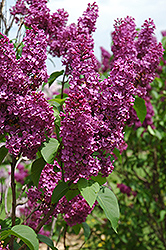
(72, 240)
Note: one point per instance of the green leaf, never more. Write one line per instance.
(25, 233)
(118, 155)
(47, 241)
(36, 169)
(82, 76)
(99, 178)
(162, 215)
(2, 137)
(164, 42)
(7, 223)
(59, 191)
(158, 134)
(4, 234)
(49, 150)
(140, 108)
(159, 82)
(76, 228)
(58, 100)
(87, 230)
(73, 191)
(139, 131)
(3, 153)
(108, 202)
(151, 131)
(19, 47)
(57, 117)
(53, 77)
(89, 190)
(59, 96)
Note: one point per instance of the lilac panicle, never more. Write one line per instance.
(74, 211)
(138, 49)
(41, 197)
(33, 59)
(126, 190)
(24, 114)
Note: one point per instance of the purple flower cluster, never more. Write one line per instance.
(25, 116)
(141, 51)
(19, 9)
(36, 13)
(58, 33)
(163, 33)
(41, 197)
(126, 190)
(74, 211)
(106, 61)
(21, 174)
(33, 59)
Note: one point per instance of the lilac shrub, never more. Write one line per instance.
(94, 115)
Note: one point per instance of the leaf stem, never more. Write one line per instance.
(63, 84)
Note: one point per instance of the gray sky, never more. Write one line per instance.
(109, 10)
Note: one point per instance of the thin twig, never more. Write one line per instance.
(64, 237)
(59, 235)
(46, 217)
(6, 194)
(29, 215)
(9, 27)
(85, 241)
(20, 202)
(52, 229)
(19, 29)
(2, 4)
(22, 190)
